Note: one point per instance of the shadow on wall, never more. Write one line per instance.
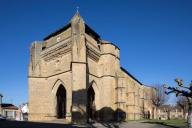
(107, 114)
(79, 106)
(81, 110)
(145, 114)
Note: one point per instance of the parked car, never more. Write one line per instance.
(2, 117)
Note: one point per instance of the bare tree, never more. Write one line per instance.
(168, 111)
(159, 97)
(183, 103)
(182, 90)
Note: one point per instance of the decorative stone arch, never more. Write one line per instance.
(97, 93)
(58, 104)
(56, 86)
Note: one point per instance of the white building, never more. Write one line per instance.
(7, 110)
(23, 112)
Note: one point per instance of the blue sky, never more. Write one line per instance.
(155, 37)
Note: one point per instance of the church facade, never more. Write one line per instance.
(74, 74)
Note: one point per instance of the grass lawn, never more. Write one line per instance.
(168, 122)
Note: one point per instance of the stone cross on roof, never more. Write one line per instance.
(77, 9)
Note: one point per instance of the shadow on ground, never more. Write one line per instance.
(105, 125)
(18, 124)
(161, 123)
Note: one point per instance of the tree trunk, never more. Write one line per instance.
(157, 114)
(189, 118)
(168, 114)
(184, 113)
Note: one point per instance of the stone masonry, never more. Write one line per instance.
(75, 59)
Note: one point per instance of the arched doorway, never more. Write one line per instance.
(61, 102)
(91, 108)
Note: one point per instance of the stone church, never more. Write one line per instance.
(76, 75)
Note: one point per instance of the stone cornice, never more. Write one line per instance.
(68, 39)
(49, 75)
(92, 45)
(78, 62)
(93, 53)
(103, 43)
(101, 76)
(57, 51)
(111, 55)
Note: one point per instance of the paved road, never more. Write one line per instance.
(131, 124)
(143, 125)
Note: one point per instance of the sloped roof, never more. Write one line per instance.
(60, 30)
(130, 75)
(9, 106)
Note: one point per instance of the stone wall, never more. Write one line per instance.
(74, 59)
